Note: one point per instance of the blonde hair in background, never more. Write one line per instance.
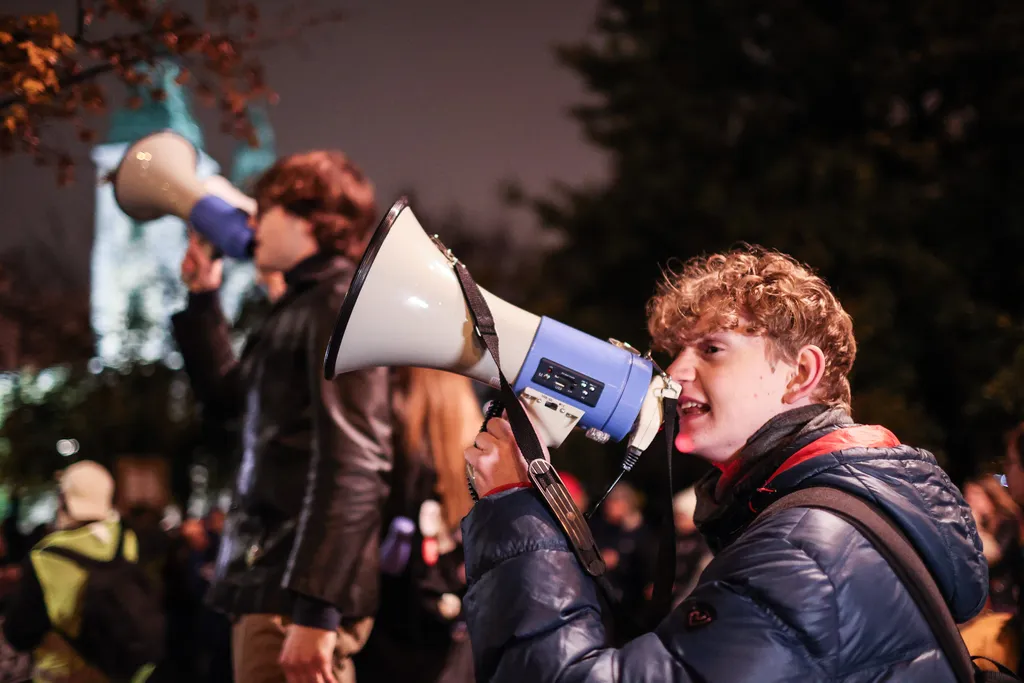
(441, 416)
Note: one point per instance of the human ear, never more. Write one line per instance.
(809, 369)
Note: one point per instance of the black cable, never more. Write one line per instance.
(628, 463)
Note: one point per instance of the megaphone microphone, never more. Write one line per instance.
(157, 178)
(412, 303)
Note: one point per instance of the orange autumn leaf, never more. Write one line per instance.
(32, 88)
(39, 57)
(62, 42)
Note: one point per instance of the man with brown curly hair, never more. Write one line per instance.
(298, 562)
(762, 349)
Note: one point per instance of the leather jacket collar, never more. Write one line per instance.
(315, 268)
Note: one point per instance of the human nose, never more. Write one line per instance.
(684, 367)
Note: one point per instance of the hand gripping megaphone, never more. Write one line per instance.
(157, 177)
(412, 303)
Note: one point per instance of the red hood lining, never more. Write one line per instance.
(859, 436)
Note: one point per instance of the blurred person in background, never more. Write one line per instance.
(53, 602)
(999, 524)
(692, 551)
(628, 547)
(1000, 635)
(298, 564)
(419, 636)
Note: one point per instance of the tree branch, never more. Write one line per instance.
(44, 76)
(73, 79)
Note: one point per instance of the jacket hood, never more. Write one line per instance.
(907, 484)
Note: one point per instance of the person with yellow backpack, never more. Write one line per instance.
(84, 607)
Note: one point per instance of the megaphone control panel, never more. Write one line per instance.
(568, 383)
(603, 383)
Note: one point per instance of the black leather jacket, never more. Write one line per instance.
(301, 539)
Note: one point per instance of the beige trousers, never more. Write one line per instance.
(256, 641)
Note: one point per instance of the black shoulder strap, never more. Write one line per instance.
(894, 547)
(119, 550)
(665, 564)
(78, 558)
(82, 560)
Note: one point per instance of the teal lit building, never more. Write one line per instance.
(135, 267)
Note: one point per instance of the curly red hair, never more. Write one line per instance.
(329, 191)
(770, 294)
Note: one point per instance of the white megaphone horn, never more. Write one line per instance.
(157, 177)
(405, 307)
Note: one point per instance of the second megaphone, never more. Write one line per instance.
(405, 307)
(157, 177)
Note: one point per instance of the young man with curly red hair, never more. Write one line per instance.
(298, 563)
(762, 349)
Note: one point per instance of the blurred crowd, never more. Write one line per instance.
(178, 556)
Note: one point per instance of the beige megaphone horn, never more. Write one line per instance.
(406, 307)
(223, 188)
(157, 177)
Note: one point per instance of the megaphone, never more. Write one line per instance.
(221, 187)
(157, 177)
(405, 307)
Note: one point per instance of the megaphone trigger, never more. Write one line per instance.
(493, 408)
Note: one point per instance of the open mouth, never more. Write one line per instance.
(693, 408)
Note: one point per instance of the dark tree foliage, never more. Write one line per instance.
(879, 142)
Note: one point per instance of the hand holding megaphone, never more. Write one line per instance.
(496, 459)
(200, 271)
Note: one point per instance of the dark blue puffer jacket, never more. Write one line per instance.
(800, 596)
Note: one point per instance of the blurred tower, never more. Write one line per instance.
(135, 282)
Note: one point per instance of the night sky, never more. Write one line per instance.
(449, 97)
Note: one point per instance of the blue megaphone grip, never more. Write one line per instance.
(224, 226)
